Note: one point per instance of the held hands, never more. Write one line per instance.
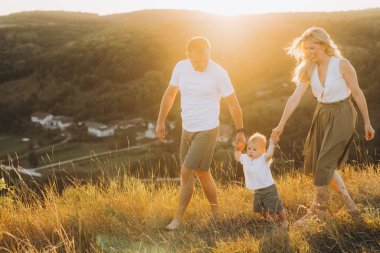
(272, 141)
(240, 141)
(369, 132)
(160, 131)
(276, 133)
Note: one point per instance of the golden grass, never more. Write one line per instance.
(130, 217)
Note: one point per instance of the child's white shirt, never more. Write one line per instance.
(256, 171)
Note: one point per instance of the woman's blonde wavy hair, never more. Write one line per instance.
(304, 67)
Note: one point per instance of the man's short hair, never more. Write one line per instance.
(197, 43)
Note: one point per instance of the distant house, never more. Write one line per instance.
(52, 122)
(65, 122)
(225, 133)
(42, 118)
(100, 130)
(62, 122)
(150, 133)
(171, 124)
(136, 122)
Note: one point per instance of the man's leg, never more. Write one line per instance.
(185, 194)
(338, 186)
(209, 188)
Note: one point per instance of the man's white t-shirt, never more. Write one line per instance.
(200, 94)
(256, 172)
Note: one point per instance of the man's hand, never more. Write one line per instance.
(166, 105)
(369, 132)
(240, 141)
(160, 131)
(237, 116)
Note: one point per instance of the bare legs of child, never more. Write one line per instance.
(284, 223)
(281, 217)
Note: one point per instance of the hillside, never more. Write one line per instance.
(105, 68)
(128, 215)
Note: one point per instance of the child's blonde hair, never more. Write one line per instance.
(258, 137)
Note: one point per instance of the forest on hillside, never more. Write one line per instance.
(107, 68)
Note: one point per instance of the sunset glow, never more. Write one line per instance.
(237, 7)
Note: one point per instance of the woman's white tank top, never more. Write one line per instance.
(335, 88)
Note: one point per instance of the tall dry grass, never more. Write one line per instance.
(128, 215)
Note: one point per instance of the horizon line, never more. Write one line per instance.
(189, 10)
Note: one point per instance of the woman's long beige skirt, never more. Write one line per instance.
(328, 140)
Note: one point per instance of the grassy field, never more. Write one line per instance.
(138, 163)
(63, 152)
(129, 216)
(13, 144)
(72, 150)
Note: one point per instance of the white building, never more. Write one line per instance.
(52, 122)
(151, 132)
(100, 130)
(171, 124)
(62, 122)
(136, 122)
(42, 118)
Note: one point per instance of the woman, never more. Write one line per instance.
(333, 80)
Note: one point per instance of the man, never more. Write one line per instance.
(202, 83)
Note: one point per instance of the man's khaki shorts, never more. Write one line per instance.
(197, 148)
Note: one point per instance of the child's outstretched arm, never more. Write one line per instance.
(237, 154)
(270, 150)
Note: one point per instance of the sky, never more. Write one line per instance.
(222, 7)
